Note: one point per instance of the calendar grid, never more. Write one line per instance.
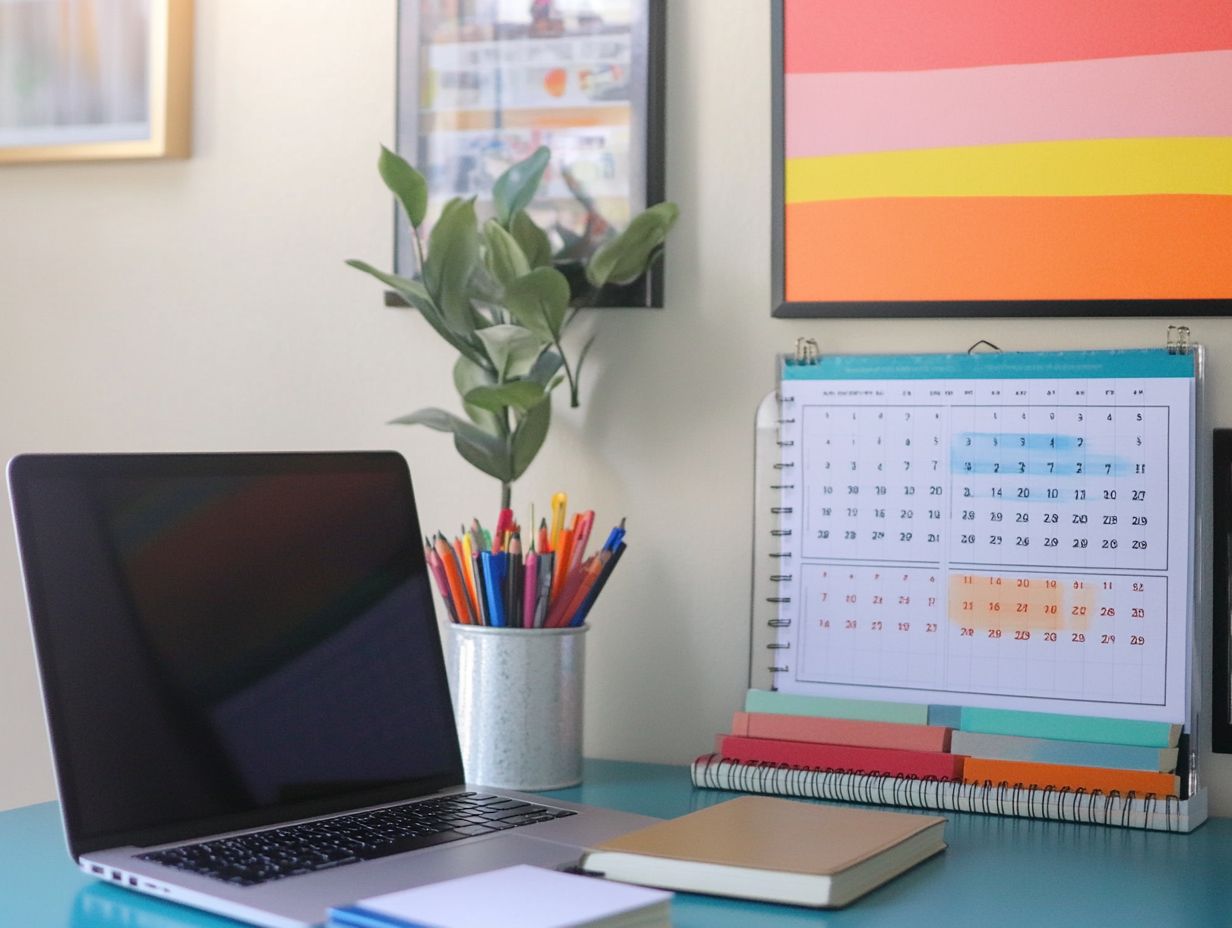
(1002, 541)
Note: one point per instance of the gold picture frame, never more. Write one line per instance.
(75, 36)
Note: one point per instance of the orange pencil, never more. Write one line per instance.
(581, 534)
(564, 551)
(587, 574)
(561, 599)
(462, 547)
(454, 578)
(545, 544)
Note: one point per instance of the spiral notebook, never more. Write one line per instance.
(984, 532)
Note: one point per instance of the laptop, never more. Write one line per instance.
(245, 686)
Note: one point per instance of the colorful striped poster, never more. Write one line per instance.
(973, 150)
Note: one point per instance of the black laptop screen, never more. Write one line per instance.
(229, 640)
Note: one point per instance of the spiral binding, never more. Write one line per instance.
(807, 352)
(1149, 812)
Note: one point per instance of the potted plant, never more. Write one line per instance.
(494, 291)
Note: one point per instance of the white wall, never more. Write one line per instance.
(204, 305)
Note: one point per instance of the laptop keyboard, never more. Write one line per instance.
(246, 860)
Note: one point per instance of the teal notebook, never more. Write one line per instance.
(1070, 727)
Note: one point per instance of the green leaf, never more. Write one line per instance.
(511, 349)
(539, 301)
(623, 259)
(417, 296)
(496, 464)
(520, 394)
(467, 375)
(546, 366)
(528, 437)
(407, 184)
(487, 452)
(515, 188)
(504, 259)
(485, 288)
(532, 239)
(453, 252)
(415, 293)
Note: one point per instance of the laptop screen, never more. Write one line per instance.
(230, 640)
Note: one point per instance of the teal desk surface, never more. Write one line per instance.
(997, 871)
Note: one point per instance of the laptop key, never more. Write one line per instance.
(475, 829)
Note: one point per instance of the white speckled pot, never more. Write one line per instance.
(517, 697)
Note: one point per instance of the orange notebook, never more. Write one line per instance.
(1061, 776)
(841, 731)
(887, 761)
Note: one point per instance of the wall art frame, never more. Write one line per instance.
(483, 83)
(923, 167)
(89, 81)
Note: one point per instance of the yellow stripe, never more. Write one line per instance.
(1101, 167)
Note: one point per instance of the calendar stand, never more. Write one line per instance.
(1024, 531)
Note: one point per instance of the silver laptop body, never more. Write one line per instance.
(229, 643)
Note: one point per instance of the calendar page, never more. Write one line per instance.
(1000, 530)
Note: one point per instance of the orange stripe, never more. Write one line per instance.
(1060, 776)
(1007, 248)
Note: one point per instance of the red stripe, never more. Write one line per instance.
(912, 35)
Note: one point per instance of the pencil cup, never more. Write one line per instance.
(517, 698)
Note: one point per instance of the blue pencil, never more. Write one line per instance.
(495, 566)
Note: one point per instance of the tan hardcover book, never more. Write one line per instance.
(775, 850)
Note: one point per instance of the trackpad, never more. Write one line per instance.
(499, 851)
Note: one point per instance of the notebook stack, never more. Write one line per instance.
(1051, 766)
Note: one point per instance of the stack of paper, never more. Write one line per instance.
(515, 897)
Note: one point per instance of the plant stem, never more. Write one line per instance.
(574, 386)
(506, 495)
(418, 248)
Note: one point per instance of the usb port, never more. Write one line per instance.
(96, 868)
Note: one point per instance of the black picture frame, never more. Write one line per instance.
(783, 307)
(647, 130)
(1221, 594)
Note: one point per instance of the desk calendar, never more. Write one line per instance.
(1008, 530)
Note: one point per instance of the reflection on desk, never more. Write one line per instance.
(1003, 871)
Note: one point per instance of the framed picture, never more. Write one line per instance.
(1221, 599)
(95, 79)
(1002, 158)
(483, 83)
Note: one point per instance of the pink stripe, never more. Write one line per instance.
(1143, 97)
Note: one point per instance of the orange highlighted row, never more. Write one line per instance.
(1036, 603)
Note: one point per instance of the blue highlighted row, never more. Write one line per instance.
(1033, 441)
(1034, 456)
(1093, 465)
